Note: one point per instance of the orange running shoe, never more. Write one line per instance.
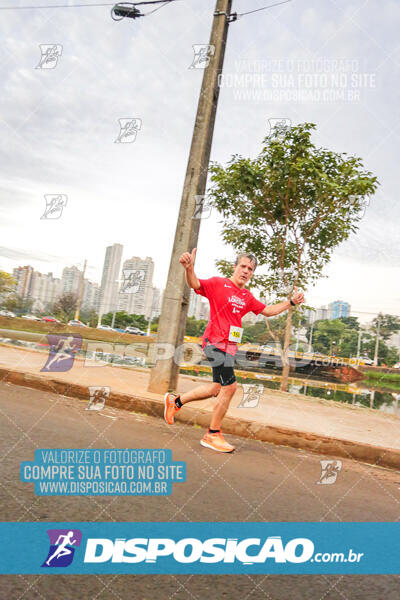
(170, 408)
(216, 441)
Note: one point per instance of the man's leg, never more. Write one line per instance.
(201, 392)
(223, 400)
(173, 402)
(213, 438)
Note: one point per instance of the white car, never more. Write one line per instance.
(366, 361)
(396, 366)
(105, 327)
(7, 313)
(31, 317)
(76, 323)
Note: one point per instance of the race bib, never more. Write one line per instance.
(235, 333)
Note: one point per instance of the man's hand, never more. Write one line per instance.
(298, 297)
(187, 259)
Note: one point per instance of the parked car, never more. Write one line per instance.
(134, 331)
(105, 327)
(7, 313)
(396, 366)
(366, 361)
(50, 320)
(76, 323)
(31, 317)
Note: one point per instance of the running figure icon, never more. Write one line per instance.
(62, 549)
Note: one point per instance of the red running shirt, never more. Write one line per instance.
(228, 304)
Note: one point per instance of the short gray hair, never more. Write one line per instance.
(246, 255)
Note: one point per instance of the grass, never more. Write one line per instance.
(374, 376)
(389, 381)
(88, 333)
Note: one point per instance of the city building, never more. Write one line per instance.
(199, 308)
(23, 277)
(137, 280)
(90, 295)
(156, 303)
(321, 313)
(109, 286)
(338, 309)
(44, 289)
(71, 280)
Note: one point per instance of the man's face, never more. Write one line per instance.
(244, 270)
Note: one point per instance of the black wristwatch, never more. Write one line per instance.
(292, 303)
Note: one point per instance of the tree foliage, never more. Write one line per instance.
(64, 308)
(7, 282)
(291, 206)
(123, 319)
(17, 304)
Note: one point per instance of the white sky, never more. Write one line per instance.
(58, 126)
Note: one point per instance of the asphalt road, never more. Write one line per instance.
(259, 482)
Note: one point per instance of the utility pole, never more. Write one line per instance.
(80, 293)
(359, 343)
(378, 327)
(171, 326)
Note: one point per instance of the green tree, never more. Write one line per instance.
(64, 308)
(89, 316)
(254, 333)
(389, 324)
(17, 304)
(337, 336)
(123, 319)
(194, 327)
(350, 322)
(291, 206)
(7, 283)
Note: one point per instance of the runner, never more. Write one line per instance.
(229, 302)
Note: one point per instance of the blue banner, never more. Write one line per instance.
(194, 548)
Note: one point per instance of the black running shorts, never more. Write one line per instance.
(222, 365)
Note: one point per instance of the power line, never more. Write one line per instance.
(263, 8)
(85, 5)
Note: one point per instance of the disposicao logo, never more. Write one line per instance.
(190, 550)
(61, 551)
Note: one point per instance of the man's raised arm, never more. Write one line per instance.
(187, 261)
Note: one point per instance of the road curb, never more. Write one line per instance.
(280, 436)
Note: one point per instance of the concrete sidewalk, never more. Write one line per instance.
(314, 424)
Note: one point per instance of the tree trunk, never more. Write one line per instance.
(285, 358)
